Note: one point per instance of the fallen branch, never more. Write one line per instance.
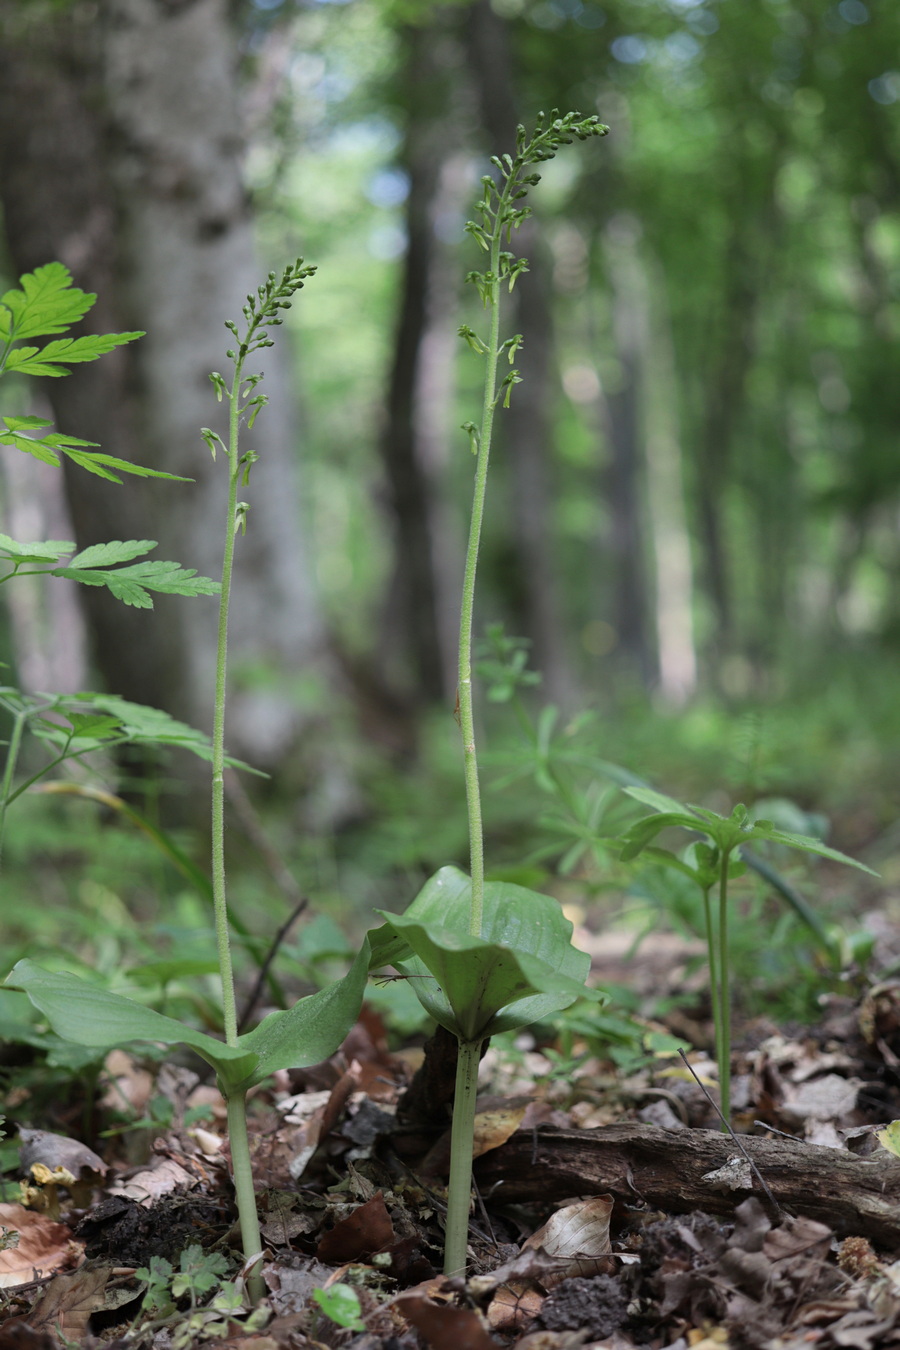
(670, 1170)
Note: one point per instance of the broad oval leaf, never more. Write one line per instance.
(82, 1012)
(305, 1034)
(311, 1030)
(520, 969)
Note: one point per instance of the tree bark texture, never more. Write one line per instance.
(625, 476)
(682, 1170)
(120, 156)
(422, 607)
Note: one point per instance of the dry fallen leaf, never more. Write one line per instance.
(514, 1306)
(44, 1246)
(366, 1231)
(290, 1287)
(831, 1097)
(573, 1241)
(551, 1340)
(578, 1236)
(16, 1334)
(68, 1301)
(443, 1326)
(528, 1264)
(496, 1120)
(261, 1342)
(798, 1243)
(494, 1127)
(307, 1111)
(163, 1176)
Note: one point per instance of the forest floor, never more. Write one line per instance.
(611, 1210)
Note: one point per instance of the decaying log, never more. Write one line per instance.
(671, 1170)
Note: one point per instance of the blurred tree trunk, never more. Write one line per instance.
(119, 155)
(422, 606)
(673, 566)
(525, 431)
(626, 471)
(724, 388)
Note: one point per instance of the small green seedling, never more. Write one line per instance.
(199, 1273)
(341, 1305)
(157, 1277)
(712, 865)
(889, 1137)
(484, 957)
(315, 1026)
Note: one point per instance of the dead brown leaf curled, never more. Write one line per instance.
(68, 1301)
(578, 1237)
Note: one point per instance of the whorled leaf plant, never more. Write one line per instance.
(486, 956)
(314, 1027)
(711, 865)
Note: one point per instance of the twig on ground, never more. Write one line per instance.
(753, 1167)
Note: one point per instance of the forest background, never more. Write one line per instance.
(694, 507)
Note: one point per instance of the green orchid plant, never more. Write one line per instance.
(315, 1026)
(711, 865)
(486, 956)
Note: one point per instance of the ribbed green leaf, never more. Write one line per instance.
(88, 1015)
(311, 1030)
(522, 968)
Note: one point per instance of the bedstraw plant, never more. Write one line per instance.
(485, 956)
(711, 863)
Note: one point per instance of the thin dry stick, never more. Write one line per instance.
(263, 971)
(485, 1216)
(253, 828)
(753, 1167)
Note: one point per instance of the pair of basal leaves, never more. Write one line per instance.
(522, 969)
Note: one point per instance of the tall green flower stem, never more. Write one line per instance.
(462, 1140)
(500, 212)
(261, 312)
(500, 215)
(495, 220)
